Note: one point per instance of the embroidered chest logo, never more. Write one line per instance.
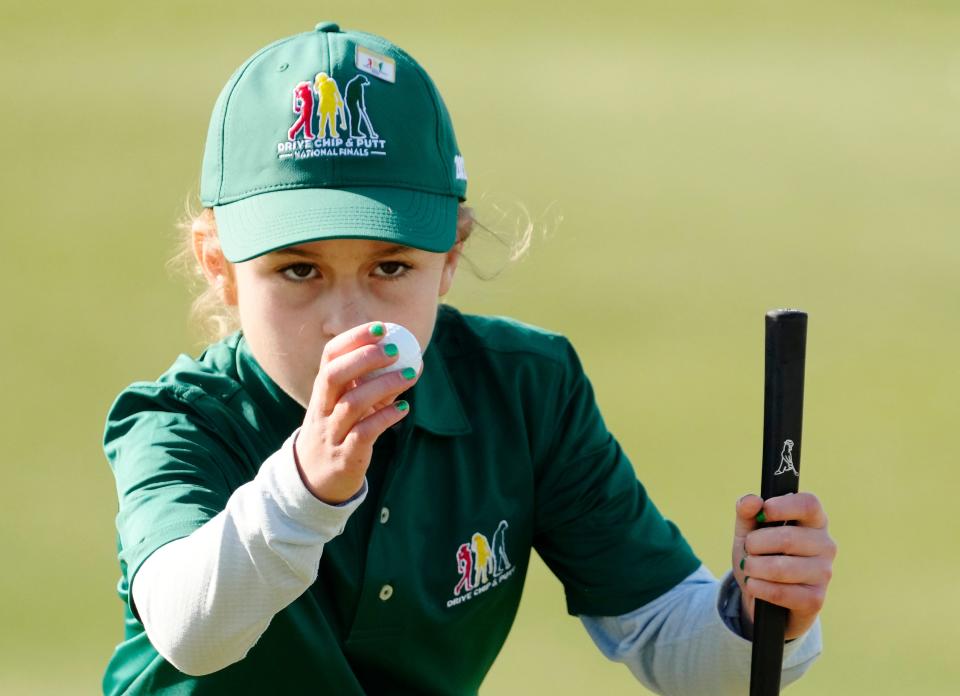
(786, 460)
(482, 565)
(331, 123)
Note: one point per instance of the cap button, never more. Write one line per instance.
(327, 26)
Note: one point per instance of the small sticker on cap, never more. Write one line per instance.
(377, 65)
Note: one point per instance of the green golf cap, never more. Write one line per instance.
(331, 134)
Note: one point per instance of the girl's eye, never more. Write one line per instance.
(393, 270)
(298, 272)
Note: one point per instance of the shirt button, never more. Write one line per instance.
(384, 515)
(386, 592)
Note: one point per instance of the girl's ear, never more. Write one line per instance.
(450, 268)
(216, 269)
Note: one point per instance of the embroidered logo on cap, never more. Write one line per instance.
(377, 65)
(331, 124)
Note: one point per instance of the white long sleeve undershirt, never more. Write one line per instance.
(206, 599)
(684, 643)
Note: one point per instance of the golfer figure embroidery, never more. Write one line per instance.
(330, 106)
(354, 94)
(465, 566)
(303, 106)
(501, 562)
(786, 460)
(484, 561)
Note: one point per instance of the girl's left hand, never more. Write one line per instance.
(788, 565)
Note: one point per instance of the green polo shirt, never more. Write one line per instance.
(504, 451)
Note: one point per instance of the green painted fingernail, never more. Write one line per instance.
(391, 349)
(377, 329)
(401, 406)
(742, 563)
(746, 580)
(761, 518)
(409, 372)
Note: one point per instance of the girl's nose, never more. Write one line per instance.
(343, 311)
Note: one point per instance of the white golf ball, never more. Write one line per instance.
(408, 350)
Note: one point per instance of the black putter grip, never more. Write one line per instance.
(786, 339)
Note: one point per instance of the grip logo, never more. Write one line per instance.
(330, 123)
(786, 460)
(481, 565)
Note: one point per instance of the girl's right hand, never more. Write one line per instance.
(345, 416)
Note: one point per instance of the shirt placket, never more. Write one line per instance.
(380, 610)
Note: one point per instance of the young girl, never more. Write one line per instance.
(287, 525)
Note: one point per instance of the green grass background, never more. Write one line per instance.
(710, 160)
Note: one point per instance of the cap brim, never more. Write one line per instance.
(268, 221)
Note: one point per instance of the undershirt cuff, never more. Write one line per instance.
(281, 481)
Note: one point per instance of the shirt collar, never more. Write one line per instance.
(282, 411)
(436, 404)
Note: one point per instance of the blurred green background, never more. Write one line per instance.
(710, 160)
